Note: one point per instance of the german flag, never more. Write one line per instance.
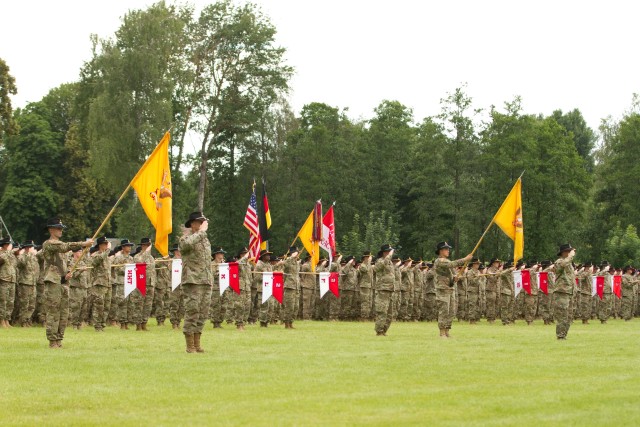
(264, 216)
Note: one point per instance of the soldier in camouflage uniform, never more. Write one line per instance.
(406, 287)
(604, 305)
(365, 283)
(263, 265)
(78, 288)
(506, 295)
(544, 303)
(430, 304)
(628, 283)
(39, 314)
(163, 286)
(418, 290)
(473, 291)
(564, 286)
(101, 282)
(385, 290)
(531, 300)
(242, 301)
(348, 284)
(332, 303)
(492, 290)
(445, 282)
(215, 310)
(7, 274)
(585, 285)
(122, 303)
(55, 279)
(307, 287)
(291, 286)
(143, 303)
(320, 304)
(176, 300)
(197, 278)
(28, 273)
(397, 293)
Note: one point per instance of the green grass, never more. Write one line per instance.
(325, 374)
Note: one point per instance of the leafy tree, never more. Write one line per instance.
(374, 231)
(583, 136)
(623, 246)
(8, 87)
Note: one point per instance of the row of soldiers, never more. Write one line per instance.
(96, 289)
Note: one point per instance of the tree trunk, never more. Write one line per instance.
(202, 186)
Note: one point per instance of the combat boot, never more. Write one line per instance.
(59, 343)
(144, 326)
(446, 332)
(175, 326)
(190, 343)
(53, 344)
(443, 333)
(161, 323)
(263, 324)
(291, 325)
(585, 322)
(138, 327)
(240, 327)
(286, 325)
(196, 342)
(123, 326)
(217, 325)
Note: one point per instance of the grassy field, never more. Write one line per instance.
(325, 374)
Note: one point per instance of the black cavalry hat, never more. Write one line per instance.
(348, 258)
(475, 261)
(565, 248)
(195, 216)
(101, 240)
(174, 248)
(293, 249)
(29, 244)
(218, 250)
(366, 254)
(242, 252)
(442, 245)
(55, 222)
(386, 248)
(126, 242)
(628, 267)
(145, 241)
(5, 241)
(264, 252)
(494, 260)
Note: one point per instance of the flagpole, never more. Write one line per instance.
(113, 209)
(488, 227)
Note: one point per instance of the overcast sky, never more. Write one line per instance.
(354, 54)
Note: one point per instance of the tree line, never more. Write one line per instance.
(219, 81)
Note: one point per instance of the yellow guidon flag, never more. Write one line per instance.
(509, 219)
(153, 187)
(311, 245)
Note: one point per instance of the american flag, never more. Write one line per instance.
(251, 223)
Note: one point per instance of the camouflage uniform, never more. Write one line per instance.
(531, 300)
(473, 294)
(56, 294)
(385, 297)
(461, 298)
(445, 295)
(163, 285)
(28, 273)
(348, 284)
(406, 288)
(121, 303)
(506, 296)
(144, 303)
(604, 305)
(291, 286)
(544, 303)
(492, 294)
(332, 302)
(628, 283)
(365, 282)
(215, 306)
(196, 280)
(242, 301)
(430, 305)
(263, 311)
(308, 287)
(78, 292)
(7, 275)
(100, 288)
(585, 285)
(564, 286)
(39, 314)
(418, 292)
(176, 306)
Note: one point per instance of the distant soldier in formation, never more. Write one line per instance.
(531, 300)
(291, 286)
(628, 284)
(163, 288)
(308, 289)
(546, 309)
(215, 309)
(430, 302)
(492, 289)
(348, 285)
(7, 273)
(386, 284)
(473, 291)
(176, 300)
(78, 288)
(585, 285)
(263, 265)
(365, 283)
(122, 303)
(506, 294)
(101, 287)
(144, 303)
(242, 302)
(604, 305)
(28, 273)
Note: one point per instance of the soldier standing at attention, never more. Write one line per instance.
(604, 304)
(430, 311)
(242, 302)
(55, 279)
(492, 290)
(385, 286)
(215, 310)
(365, 282)
(473, 291)
(628, 282)
(585, 285)
(545, 308)
(263, 265)
(565, 282)
(121, 303)
(332, 303)
(7, 273)
(101, 282)
(506, 294)
(38, 314)
(307, 286)
(406, 286)
(531, 300)
(176, 300)
(163, 286)
(147, 300)
(196, 278)
(348, 284)
(444, 281)
(28, 272)
(291, 285)
(78, 289)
